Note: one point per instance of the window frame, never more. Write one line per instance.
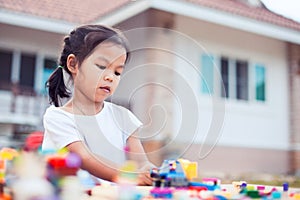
(232, 84)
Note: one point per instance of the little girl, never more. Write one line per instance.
(93, 57)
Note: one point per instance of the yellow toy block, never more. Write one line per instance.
(190, 168)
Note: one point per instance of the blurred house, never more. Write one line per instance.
(217, 81)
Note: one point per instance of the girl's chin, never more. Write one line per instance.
(100, 99)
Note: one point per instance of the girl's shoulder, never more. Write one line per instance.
(57, 112)
(53, 109)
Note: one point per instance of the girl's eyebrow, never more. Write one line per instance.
(120, 66)
(107, 61)
(103, 59)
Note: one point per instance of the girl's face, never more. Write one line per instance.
(99, 74)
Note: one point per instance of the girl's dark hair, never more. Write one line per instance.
(81, 42)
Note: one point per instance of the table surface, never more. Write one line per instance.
(114, 191)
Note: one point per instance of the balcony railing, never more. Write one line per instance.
(21, 112)
(22, 108)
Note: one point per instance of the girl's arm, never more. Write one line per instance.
(100, 168)
(137, 153)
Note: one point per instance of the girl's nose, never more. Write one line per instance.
(108, 77)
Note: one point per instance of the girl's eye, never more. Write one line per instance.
(101, 67)
(117, 73)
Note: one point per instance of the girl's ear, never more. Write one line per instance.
(72, 63)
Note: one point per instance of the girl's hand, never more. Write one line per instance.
(144, 177)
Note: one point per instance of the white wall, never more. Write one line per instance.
(246, 123)
(32, 41)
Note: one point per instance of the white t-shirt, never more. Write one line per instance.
(105, 133)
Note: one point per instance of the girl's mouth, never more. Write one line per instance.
(105, 88)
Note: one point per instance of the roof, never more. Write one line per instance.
(78, 12)
(237, 7)
(62, 16)
(75, 11)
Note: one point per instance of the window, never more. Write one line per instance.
(236, 80)
(241, 80)
(5, 69)
(225, 77)
(49, 66)
(20, 67)
(207, 79)
(260, 83)
(27, 71)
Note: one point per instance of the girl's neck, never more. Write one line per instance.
(81, 108)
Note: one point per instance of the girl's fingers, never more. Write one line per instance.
(144, 179)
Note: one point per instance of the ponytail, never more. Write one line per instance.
(56, 87)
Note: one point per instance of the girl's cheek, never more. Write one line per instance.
(96, 76)
(117, 80)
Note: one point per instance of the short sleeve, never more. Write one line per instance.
(131, 125)
(60, 129)
(134, 121)
(126, 120)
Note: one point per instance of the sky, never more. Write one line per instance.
(287, 8)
